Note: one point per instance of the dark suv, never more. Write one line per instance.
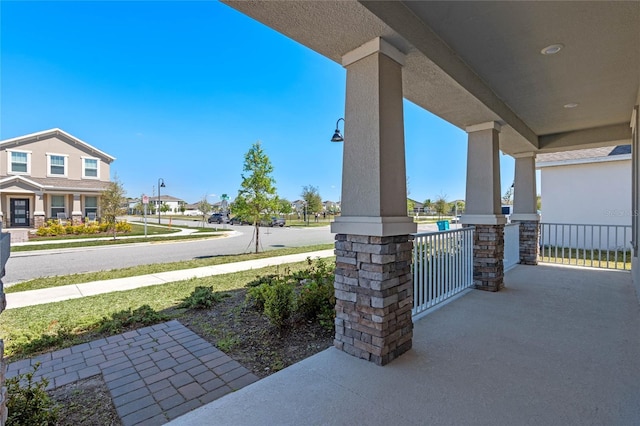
(218, 218)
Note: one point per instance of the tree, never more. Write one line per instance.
(441, 205)
(539, 202)
(284, 206)
(164, 208)
(204, 207)
(428, 205)
(312, 197)
(411, 205)
(112, 203)
(507, 198)
(256, 198)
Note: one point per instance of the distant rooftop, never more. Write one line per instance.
(584, 155)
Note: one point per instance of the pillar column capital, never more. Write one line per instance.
(377, 45)
(489, 125)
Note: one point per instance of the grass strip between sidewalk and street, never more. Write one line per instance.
(111, 242)
(33, 329)
(60, 280)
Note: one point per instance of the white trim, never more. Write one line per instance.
(374, 226)
(483, 219)
(378, 44)
(529, 217)
(21, 178)
(66, 164)
(632, 123)
(489, 125)
(54, 132)
(621, 157)
(84, 175)
(10, 171)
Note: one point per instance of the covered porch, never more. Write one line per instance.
(557, 345)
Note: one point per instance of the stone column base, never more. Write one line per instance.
(374, 296)
(38, 221)
(488, 257)
(529, 242)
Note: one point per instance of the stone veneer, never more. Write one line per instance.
(5, 244)
(374, 296)
(488, 257)
(529, 242)
(38, 221)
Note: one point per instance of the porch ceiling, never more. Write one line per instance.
(472, 62)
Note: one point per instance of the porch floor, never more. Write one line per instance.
(558, 346)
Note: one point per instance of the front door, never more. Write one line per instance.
(19, 210)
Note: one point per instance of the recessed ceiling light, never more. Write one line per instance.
(570, 105)
(552, 49)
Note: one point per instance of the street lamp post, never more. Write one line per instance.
(160, 185)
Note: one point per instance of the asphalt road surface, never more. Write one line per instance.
(24, 266)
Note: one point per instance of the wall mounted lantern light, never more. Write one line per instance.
(337, 136)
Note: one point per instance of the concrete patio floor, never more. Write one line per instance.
(559, 346)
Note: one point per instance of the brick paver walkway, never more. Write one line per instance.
(154, 374)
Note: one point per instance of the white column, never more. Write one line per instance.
(635, 197)
(374, 193)
(525, 196)
(482, 203)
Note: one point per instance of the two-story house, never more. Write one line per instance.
(50, 174)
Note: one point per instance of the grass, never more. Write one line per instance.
(579, 257)
(312, 222)
(136, 229)
(56, 281)
(52, 326)
(110, 242)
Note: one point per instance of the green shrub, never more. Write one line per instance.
(123, 227)
(144, 315)
(30, 404)
(202, 298)
(264, 279)
(278, 302)
(316, 300)
(256, 296)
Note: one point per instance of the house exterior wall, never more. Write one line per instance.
(592, 193)
(75, 154)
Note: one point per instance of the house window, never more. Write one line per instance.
(91, 206)
(90, 168)
(19, 162)
(57, 205)
(57, 165)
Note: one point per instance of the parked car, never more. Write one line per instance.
(278, 221)
(239, 220)
(218, 218)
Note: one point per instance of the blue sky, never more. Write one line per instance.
(181, 90)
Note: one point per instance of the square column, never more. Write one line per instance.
(373, 283)
(635, 196)
(76, 212)
(38, 212)
(525, 211)
(483, 206)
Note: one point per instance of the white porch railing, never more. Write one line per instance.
(442, 266)
(511, 245)
(597, 246)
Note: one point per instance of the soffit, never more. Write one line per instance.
(471, 62)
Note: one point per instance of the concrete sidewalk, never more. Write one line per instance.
(74, 291)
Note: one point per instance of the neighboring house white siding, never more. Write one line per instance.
(593, 193)
(586, 187)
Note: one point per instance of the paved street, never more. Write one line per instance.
(28, 265)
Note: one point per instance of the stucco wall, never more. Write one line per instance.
(593, 193)
(54, 145)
